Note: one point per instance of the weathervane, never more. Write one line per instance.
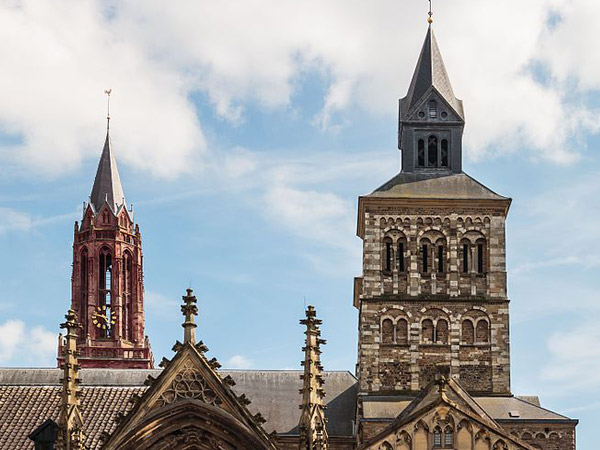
(430, 18)
(108, 92)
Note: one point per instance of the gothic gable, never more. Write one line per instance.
(189, 404)
(433, 108)
(444, 416)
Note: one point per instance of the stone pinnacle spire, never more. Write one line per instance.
(189, 310)
(313, 424)
(430, 73)
(70, 421)
(107, 184)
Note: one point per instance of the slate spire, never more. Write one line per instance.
(430, 72)
(107, 184)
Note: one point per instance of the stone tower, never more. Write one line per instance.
(107, 279)
(432, 295)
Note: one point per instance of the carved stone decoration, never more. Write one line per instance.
(188, 384)
(192, 439)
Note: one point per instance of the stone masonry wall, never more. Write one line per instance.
(457, 310)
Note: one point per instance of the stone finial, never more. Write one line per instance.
(313, 424)
(189, 310)
(71, 435)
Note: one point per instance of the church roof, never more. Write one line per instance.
(430, 73)
(28, 397)
(424, 185)
(107, 184)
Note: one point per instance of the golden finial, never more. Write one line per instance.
(107, 92)
(430, 18)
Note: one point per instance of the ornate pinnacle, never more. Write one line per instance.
(313, 432)
(71, 435)
(189, 310)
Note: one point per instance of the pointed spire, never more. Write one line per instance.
(313, 424)
(71, 436)
(107, 184)
(430, 72)
(189, 310)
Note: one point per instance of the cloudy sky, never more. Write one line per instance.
(245, 130)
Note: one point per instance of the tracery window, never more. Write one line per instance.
(105, 285)
(432, 151)
(448, 437)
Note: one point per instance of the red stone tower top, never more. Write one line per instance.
(107, 280)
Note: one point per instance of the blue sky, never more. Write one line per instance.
(245, 133)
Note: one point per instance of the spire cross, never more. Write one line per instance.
(108, 92)
(430, 14)
(189, 310)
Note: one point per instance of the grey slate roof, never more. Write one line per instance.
(430, 72)
(459, 186)
(30, 396)
(107, 184)
(389, 407)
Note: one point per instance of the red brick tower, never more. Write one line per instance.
(107, 280)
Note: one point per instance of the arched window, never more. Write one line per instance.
(468, 332)
(127, 277)
(105, 286)
(433, 109)
(437, 437)
(465, 249)
(388, 256)
(441, 332)
(441, 255)
(482, 331)
(481, 266)
(425, 256)
(448, 437)
(402, 332)
(400, 257)
(387, 331)
(427, 330)
(432, 151)
(421, 153)
(83, 286)
(444, 153)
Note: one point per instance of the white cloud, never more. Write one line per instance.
(19, 345)
(575, 360)
(238, 362)
(12, 220)
(59, 57)
(319, 216)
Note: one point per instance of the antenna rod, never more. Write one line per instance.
(107, 92)
(430, 18)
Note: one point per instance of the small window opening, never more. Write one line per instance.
(388, 256)
(480, 258)
(437, 438)
(444, 153)
(421, 153)
(387, 331)
(433, 109)
(465, 258)
(448, 438)
(424, 253)
(401, 256)
(432, 151)
(440, 258)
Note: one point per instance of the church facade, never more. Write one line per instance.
(433, 369)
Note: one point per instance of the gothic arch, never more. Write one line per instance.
(188, 425)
